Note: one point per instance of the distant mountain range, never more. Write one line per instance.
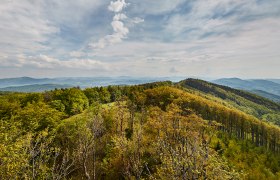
(21, 81)
(34, 88)
(27, 84)
(274, 80)
(267, 88)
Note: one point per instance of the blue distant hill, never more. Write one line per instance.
(27, 84)
(34, 88)
(266, 88)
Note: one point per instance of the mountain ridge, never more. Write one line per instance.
(253, 85)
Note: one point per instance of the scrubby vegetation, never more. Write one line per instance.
(152, 131)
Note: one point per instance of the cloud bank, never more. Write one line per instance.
(221, 38)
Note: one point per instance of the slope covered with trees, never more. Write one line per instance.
(247, 102)
(273, 97)
(151, 131)
(270, 86)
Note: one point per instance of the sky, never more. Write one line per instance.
(140, 38)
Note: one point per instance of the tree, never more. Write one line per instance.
(183, 147)
(74, 100)
(92, 95)
(38, 116)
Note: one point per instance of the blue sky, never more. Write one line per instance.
(206, 38)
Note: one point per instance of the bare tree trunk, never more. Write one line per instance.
(94, 160)
(85, 171)
(85, 156)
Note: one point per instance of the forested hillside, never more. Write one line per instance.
(270, 86)
(247, 102)
(270, 96)
(186, 130)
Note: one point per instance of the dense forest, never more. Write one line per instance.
(187, 130)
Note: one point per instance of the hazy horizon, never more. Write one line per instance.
(111, 38)
(142, 77)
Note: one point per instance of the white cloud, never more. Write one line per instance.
(117, 6)
(137, 20)
(46, 62)
(201, 37)
(77, 54)
(120, 30)
(250, 52)
(32, 26)
(119, 17)
(107, 41)
(23, 27)
(218, 17)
